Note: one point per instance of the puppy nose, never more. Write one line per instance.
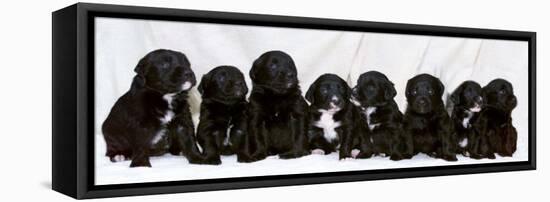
(512, 101)
(335, 100)
(422, 102)
(478, 99)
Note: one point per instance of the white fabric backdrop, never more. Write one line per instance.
(120, 43)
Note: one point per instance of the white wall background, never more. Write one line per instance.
(26, 101)
(120, 43)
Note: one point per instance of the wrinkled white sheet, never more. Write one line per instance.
(120, 43)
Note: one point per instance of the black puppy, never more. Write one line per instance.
(153, 117)
(331, 116)
(278, 111)
(222, 117)
(494, 125)
(380, 124)
(426, 119)
(467, 101)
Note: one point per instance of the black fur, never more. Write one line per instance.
(329, 96)
(494, 125)
(385, 134)
(135, 120)
(277, 110)
(467, 101)
(426, 119)
(223, 91)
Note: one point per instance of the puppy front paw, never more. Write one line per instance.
(212, 161)
(293, 154)
(346, 159)
(355, 152)
(118, 158)
(245, 159)
(396, 157)
(449, 158)
(345, 156)
(364, 155)
(318, 151)
(140, 163)
(195, 160)
(505, 154)
(249, 158)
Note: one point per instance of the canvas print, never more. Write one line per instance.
(179, 101)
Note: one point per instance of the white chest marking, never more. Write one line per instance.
(466, 120)
(463, 143)
(186, 85)
(227, 135)
(368, 112)
(327, 123)
(168, 115)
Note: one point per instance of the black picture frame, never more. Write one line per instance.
(73, 100)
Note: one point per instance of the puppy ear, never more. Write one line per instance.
(292, 65)
(137, 83)
(441, 88)
(354, 92)
(245, 87)
(204, 82)
(347, 92)
(310, 92)
(485, 92)
(408, 88)
(389, 92)
(142, 67)
(255, 68)
(455, 96)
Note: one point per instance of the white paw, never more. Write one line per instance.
(383, 155)
(347, 159)
(355, 152)
(318, 151)
(119, 158)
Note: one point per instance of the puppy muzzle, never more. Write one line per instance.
(422, 105)
(512, 102)
(186, 86)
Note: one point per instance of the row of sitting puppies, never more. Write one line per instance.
(153, 117)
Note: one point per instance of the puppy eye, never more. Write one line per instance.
(502, 92)
(413, 92)
(431, 92)
(188, 74)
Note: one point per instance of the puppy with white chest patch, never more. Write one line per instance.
(380, 125)
(153, 117)
(331, 116)
(467, 101)
(221, 129)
